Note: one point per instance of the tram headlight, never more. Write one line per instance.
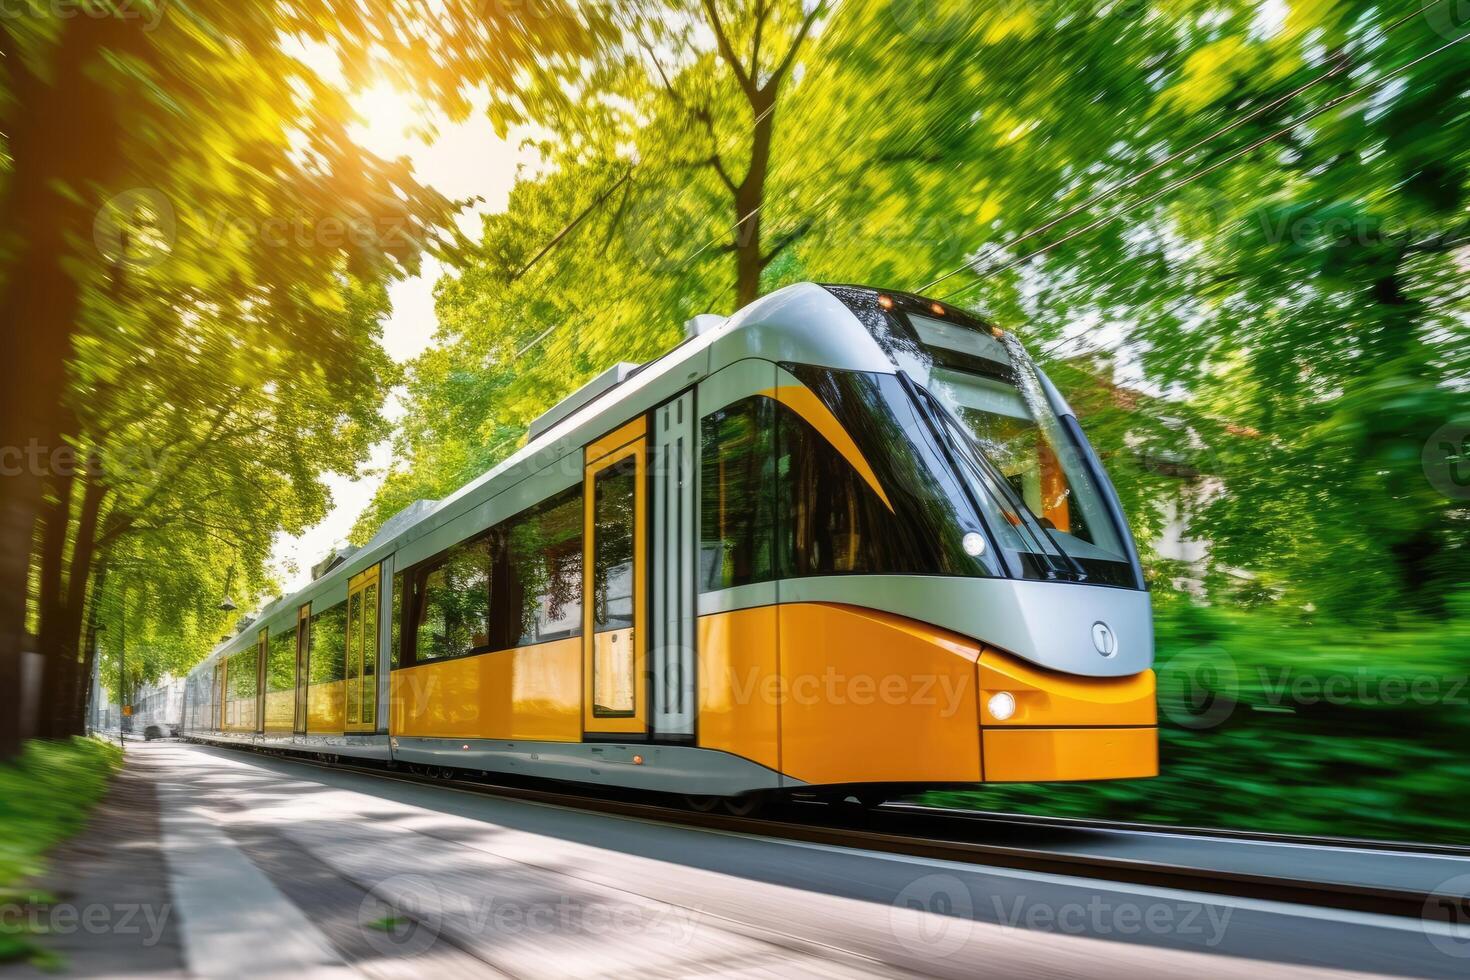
(1001, 705)
(974, 544)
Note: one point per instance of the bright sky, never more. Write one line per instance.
(463, 160)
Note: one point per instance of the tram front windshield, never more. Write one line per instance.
(1015, 451)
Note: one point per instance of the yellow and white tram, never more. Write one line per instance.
(841, 539)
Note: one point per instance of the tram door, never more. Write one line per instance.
(221, 668)
(673, 569)
(303, 666)
(262, 656)
(361, 683)
(615, 571)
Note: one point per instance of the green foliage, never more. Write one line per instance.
(46, 796)
(201, 249)
(1261, 339)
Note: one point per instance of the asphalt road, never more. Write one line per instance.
(279, 867)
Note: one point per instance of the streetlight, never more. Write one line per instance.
(227, 604)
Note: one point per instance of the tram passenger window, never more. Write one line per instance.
(833, 520)
(615, 496)
(453, 598)
(244, 684)
(737, 491)
(369, 653)
(326, 654)
(537, 589)
(280, 673)
(614, 657)
(395, 628)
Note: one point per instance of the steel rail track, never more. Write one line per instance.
(852, 835)
(998, 817)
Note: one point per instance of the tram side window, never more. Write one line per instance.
(395, 623)
(737, 491)
(833, 521)
(536, 592)
(244, 685)
(453, 600)
(615, 495)
(280, 671)
(327, 651)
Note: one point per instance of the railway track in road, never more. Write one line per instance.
(1022, 842)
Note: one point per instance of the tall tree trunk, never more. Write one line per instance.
(84, 687)
(750, 197)
(77, 626)
(55, 527)
(17, 524)
(63, 596)
(62, 135)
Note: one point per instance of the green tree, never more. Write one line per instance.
(207, 111)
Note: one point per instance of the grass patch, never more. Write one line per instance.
(46, 796)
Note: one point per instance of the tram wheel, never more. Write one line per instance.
(702, 804)
(745, 805)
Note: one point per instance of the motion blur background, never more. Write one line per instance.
(273, 272)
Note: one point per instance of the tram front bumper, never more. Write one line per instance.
(1039, 725)
(1037, 755)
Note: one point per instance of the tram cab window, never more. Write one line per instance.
(838, 524)
(780, 499)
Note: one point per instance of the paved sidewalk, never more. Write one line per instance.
(270, 868)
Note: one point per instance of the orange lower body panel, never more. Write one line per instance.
(324, 708)
(280, 711)
(869, 697)
(530, 692)
(1037, 755)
